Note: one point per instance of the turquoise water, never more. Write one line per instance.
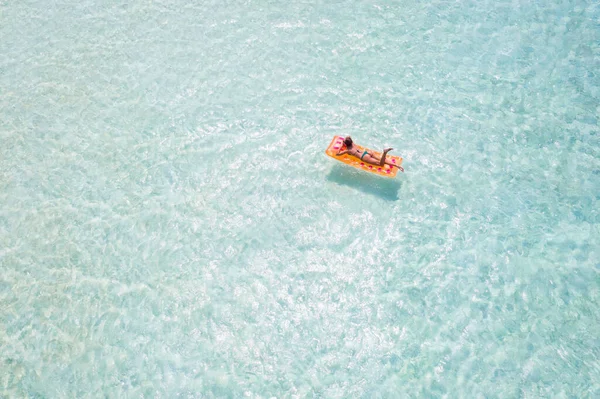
(171, 227)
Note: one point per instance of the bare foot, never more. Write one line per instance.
(401, 169)
(387, 150)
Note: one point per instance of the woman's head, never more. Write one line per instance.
(348, 142)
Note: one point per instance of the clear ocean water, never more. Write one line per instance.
(171, 227)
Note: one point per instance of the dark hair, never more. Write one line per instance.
(348, 142)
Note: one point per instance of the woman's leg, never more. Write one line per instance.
(393, 164)
(374, 160)
(385, 151)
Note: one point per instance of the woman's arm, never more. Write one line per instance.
(342, 153)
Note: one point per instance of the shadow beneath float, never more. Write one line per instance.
(379, 186)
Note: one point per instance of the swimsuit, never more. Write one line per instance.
(363, 155)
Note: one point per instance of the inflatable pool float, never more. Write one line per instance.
(337, 145)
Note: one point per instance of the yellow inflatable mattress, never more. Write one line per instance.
(337, 144)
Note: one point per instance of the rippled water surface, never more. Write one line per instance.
(171, 227)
